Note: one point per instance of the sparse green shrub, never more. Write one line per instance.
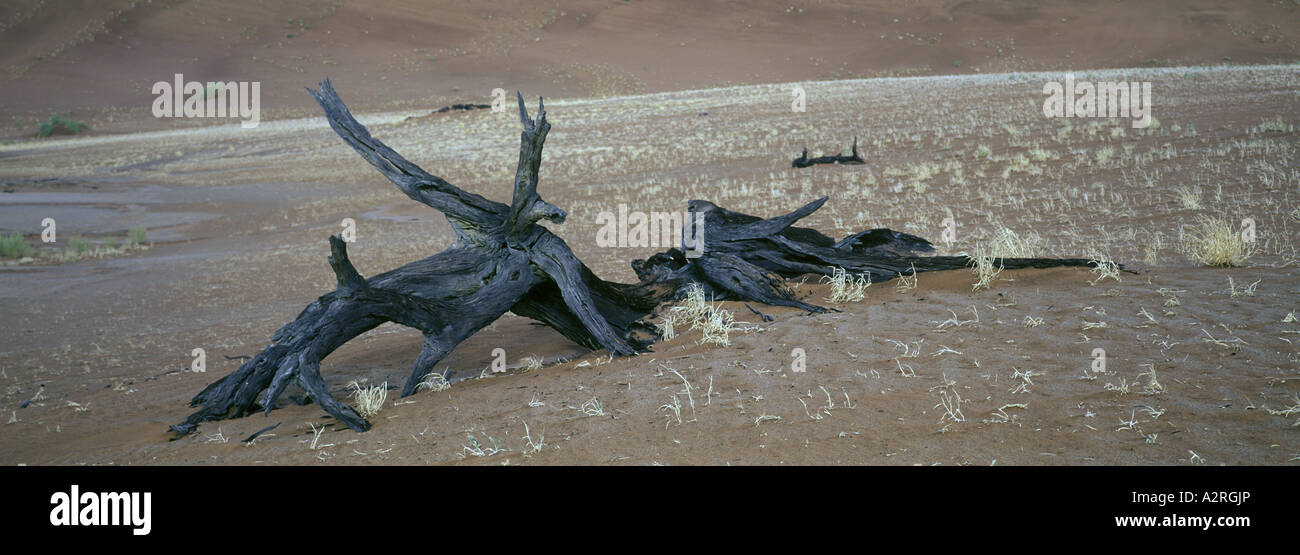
(15, 245)
(135, 236)
(79, 246)
(61, 125)
(1275, 125)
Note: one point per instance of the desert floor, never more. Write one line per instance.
(1202, 364)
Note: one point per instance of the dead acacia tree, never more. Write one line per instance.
(498, 257)
(502, 261)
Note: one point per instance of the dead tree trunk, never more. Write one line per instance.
(503, 262)
(499, 256)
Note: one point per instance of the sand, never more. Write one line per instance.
(1198, 370)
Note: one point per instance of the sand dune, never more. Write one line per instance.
(1200, 369)
(98, 59)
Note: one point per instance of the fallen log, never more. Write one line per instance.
(803, 161)
(502, 261)
(462, 107)
(451, 108)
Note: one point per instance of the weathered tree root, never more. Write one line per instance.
(503, 262)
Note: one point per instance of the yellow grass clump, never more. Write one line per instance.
(714, 322)
(1215, 242)
(434, 381)
(369, 400)
(982, 265)
(845, 288)
(1007, 243)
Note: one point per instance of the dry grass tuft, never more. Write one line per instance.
(434, 381)
(369, 400)
(694, 307)
(592, 407)
(846, 289)
(1007, 243)
(1215, 242)
(668, 325)
(532, 362)
(906, 283)
(716, 328)
(714, 322)
(1288, 412)
(1189, 197)
(1103, 267)
(981, 264)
